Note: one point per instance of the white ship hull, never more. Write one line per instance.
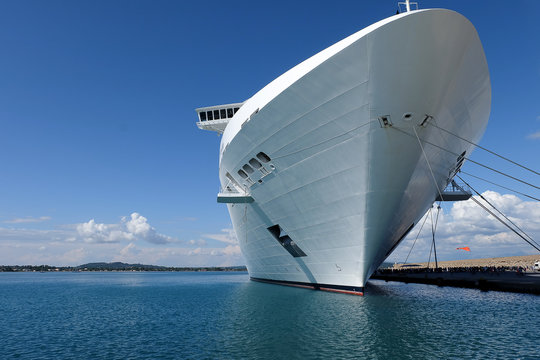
(344, 187)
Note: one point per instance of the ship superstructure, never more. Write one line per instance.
(327, 168)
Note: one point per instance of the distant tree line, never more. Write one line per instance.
(116, 266)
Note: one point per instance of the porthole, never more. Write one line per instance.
(263, 157)
(248, 169)
(407, 116)
(242, 174)
(255, 163)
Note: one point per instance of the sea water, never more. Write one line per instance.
(148, 315)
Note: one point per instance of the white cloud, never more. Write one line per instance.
(24, 235)
(131, 240)
(467, 224)
(534, 136)
(74, 256)
(227, 236)
(229, 250)
(129, 250)
(132, 228)
(101, 233)
(199, 242)
(28, 219)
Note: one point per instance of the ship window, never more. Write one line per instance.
(216, 114)
(235, 110)
(263, 157)
(210, 116)
(248, 169)
(203, 115)
(243, 174)
(229, 113)
(255, 163)
(222, 114)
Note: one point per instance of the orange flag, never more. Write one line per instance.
(466, 248)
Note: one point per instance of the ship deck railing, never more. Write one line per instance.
(231, 195)
(455, 192)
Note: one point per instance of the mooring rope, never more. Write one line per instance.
(428, 164)
(498, 211)
(469, 159)
(499, 185)
(417, 235)
(535, 245)
(483, 148)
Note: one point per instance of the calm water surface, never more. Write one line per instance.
(225, 316)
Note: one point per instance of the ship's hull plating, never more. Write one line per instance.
(342, 185)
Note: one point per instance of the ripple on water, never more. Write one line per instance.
(225, 316)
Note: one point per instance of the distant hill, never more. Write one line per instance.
(118, 266)
(115, 266)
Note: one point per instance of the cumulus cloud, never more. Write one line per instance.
(467, 224)
(131, 240)
(132, 228)
(28, 219)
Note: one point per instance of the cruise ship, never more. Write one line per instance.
(326, 169)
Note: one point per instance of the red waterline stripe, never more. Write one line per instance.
(309, 286)
(359, 293)
(293, 285)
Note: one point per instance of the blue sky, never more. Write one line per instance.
(100, 156)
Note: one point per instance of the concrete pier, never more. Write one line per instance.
(498, 281)
(513, 273)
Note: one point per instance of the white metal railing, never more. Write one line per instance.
(455, 187)
(229, 190)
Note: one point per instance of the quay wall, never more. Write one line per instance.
(526, 262)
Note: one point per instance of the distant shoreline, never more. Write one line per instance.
(116, 267)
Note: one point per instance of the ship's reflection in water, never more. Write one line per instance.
(393, 321)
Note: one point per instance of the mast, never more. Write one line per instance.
(407, 4)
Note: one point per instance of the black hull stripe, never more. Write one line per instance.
(353, 290)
